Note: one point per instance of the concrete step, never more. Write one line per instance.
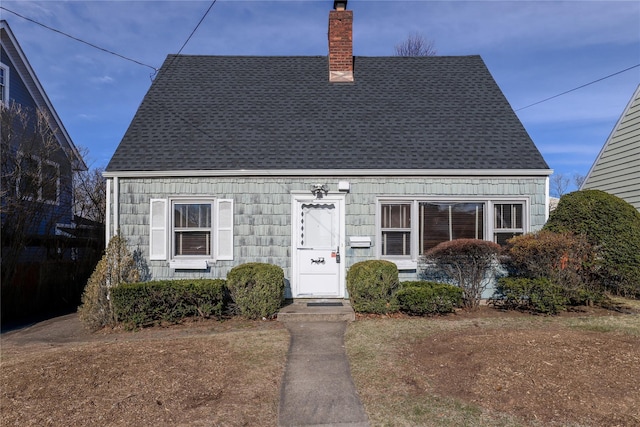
(317, 310)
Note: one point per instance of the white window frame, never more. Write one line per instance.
(174, 230)
(525, 218)
(39, 194)
(410, 261)
(4, 87)
(162, 231)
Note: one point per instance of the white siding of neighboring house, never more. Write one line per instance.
(617, 168)
(262, 211)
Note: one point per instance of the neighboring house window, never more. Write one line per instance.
(4, 84)
(507, 221)
(187, 229)
(39, 179)
(409, 228)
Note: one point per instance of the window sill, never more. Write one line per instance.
(404, 264)
(191, 264)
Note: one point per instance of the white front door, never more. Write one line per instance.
(318, 244)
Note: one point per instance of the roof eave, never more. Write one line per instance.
(333, 172)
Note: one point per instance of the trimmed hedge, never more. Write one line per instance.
(257, 289)
(427, 298)
(538, 295)
(371, 285)
(148, 303)
(612, 226)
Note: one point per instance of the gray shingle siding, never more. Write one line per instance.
(277, 113)
(262, 211)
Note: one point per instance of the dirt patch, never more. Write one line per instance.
(548, 372)
(200, 373)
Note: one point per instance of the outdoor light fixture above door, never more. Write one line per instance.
(319, 190)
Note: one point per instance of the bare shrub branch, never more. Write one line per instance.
(468, 263)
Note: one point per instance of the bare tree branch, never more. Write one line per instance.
(32, 185)
(416, 45)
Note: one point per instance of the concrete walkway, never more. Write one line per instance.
(317, 389)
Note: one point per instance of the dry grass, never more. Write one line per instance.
(487, 368)
(195, 376)
(502, 370)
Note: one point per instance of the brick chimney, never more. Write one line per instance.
(340, 43)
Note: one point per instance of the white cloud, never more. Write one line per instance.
(102, 80)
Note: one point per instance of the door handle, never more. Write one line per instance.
(319, 260)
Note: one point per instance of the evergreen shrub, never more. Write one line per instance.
(168, 301)
(116, 266)
(371, 285)
(257, 289)
(612, 227)
(539, 295)
(427, 298)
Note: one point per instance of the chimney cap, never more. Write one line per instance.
(340, 4)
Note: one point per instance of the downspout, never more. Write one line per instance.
(116, 205)
(107, 225)
(547, 200)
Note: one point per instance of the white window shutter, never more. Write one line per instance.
(158, 229)
(224, 230)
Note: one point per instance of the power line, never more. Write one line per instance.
(197, 26)
(80, 40)
(580, 87)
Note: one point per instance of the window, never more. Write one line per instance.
(441, 222)
(187, 229)
(4, 84)
(39, 179)
(192, 230)
(396, 229)
(507, 221)
(409, 228)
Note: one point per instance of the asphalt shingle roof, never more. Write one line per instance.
(276, 113)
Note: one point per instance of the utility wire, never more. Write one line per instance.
(197, 26)
(580, 87)
(80, 40)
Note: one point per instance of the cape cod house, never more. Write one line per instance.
(616, 170)
(314, 163)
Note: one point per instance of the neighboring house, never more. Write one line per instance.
(37, 172)
(315, 163)
(19, 85)
(617, 167)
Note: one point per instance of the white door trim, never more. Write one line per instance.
(338, 198)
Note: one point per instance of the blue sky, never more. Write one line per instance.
(534, 49)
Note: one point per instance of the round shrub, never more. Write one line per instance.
(371, 285)
(426, 298)
(257, 289)
(612, 226)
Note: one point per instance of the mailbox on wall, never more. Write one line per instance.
(360, 241)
